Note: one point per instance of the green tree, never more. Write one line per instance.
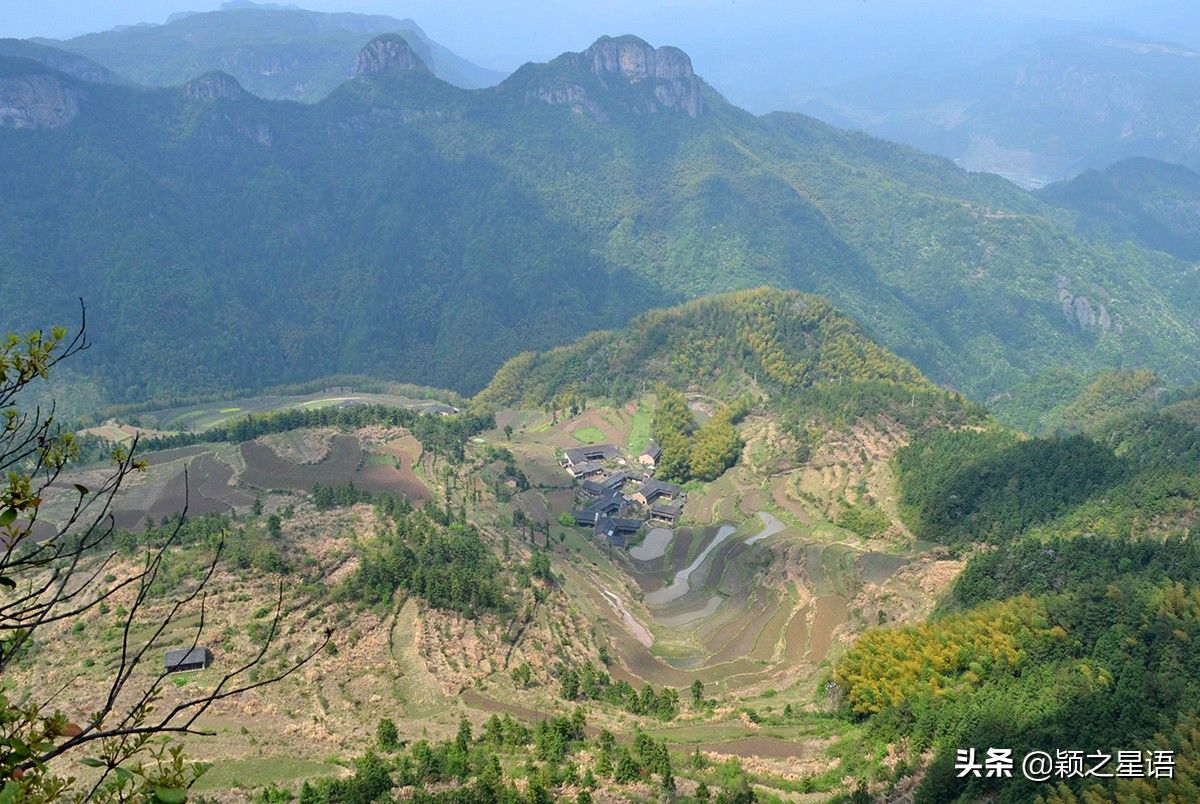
(716, 447)
(387, 736)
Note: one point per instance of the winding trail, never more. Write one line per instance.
(640, 632)
(679, 587)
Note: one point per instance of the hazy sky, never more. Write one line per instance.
(505, 33)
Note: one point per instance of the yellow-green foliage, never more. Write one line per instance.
(707, 453)
(886, 666)
(716, 447)
(783, 340)
(1112, 393)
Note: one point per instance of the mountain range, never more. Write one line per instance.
(1042, 112)
(406, 227)
(1154, 203)
(273, 51)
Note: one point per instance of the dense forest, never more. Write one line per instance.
(793, 353)
(1075, 629)
(690, 452)
(408, 228)
(446, 564)
(782, 341)
(1150, 202)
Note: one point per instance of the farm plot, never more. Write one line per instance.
(829, 613)
(205, 490)
(391, 470)
(878, 567)
(266, 470)
(653, 546)
(683, 579)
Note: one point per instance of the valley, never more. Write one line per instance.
(751, 597)
(379, 427)
(732, 616)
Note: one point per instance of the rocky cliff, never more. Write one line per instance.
(390, 53)
(213, 86)
(40, 101)
(621, 74)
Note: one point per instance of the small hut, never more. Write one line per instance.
(196, 658)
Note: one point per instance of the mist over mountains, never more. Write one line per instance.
(273, 51)
(1034, 92)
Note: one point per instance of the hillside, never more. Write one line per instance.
(407, 228)
(496, 630)
(64, 61)
(274, 52)
(783, 339)
(1085, 597)
(1150, 202)
(1043, 111)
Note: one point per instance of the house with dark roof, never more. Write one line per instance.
(585, 469)
(666, 512)
(589, 453)
(652, 490)
(616, 481)
(650, 455)
(609, 503)
(591, 489)
(616, 530)
(196, 658)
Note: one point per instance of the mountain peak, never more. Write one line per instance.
(213, 86)
(636, 60)
(388, 53)
(616, 75)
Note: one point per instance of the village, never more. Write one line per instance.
(621, 498)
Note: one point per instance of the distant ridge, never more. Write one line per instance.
(407, 228)
(1154, 203)
(274, 51)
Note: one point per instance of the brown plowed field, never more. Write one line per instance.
(266, 470)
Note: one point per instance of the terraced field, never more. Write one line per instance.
(222, 478)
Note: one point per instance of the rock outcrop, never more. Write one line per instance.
(213, 86)
(1080, 310)
(41, 101)
(619, 74)
(389, 53)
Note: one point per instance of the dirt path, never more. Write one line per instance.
(639, 631)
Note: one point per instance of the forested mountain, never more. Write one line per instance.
(781, 341)
(1087, 599)
(1042, 112)
(64, 61)
(272, 51)
(1153, 203)
(409, 228)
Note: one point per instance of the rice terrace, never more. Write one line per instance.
(747, 588)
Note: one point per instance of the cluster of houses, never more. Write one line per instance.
(621, 501)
